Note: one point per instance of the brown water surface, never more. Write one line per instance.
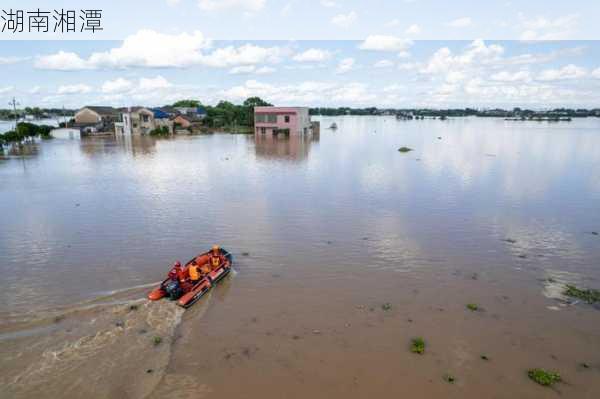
(334, 227)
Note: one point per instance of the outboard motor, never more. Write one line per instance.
(173, 289)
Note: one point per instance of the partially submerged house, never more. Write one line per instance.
(141, 120)
(97, 119)
(281, 120)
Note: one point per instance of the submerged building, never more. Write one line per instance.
(281, 120)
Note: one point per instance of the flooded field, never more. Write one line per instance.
(345, 249)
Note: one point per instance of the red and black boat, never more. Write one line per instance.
(187, 293)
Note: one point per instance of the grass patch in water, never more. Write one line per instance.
(589, 295)
(404, 149)
(417, 345)
(544, 377)
(386, 306)
(473, 307)
(484, 357)
(449, 378)
(156, 340)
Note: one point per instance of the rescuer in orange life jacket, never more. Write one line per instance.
(215, 257)
(194, 272)
(176, 273)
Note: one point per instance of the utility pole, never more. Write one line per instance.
(14, 104)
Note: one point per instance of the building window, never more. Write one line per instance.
(263, 130)
(266, 118)
(145, 118)
(287, 119)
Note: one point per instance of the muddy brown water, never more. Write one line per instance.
(496, 213)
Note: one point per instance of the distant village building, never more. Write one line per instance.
(281, 120)
(97, 120)
(193, 112)
(141, 120)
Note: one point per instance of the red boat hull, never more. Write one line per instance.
(201, 287)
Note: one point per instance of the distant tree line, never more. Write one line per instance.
(457, 112)
(36, 112)
(226, 114)
(25, 132)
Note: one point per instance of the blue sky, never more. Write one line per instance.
(319, 53)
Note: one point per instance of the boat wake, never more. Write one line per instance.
(75, 352)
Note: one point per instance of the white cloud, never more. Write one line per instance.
(35, 90)
(243, 69)
(307, 92)
(383, 64)
(408, 66)
(596, 73)
(414, 29)
(151, 49)
(476, 54)
(74, 89)
(312, 55)
(543, 28)
(154, 83)
(344, 20)
(173, 2)
(245, 5)
(345, 65)
(6, 89)
(246, 54)
(460, 22)
(505, 76)
(118, 85)
(393, 88)
(567, 72)
(328, 3)
(385, 43)
(61, 61)
(12, 60)
(264, 70)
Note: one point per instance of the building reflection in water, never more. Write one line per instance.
(284, 147)
(135, 145)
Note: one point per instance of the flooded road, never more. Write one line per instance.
(345, 249)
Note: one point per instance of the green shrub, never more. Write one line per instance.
(543, 377)
(417, 345)
(589, 295)
(160, 131)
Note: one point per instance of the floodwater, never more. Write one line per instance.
(325, 231)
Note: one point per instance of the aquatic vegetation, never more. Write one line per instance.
(472, 307)
(386, 306)
(404, 149)
(484, 357)
(417, 345)
(156, 340)
(449, 378)
(544, 377)
(588, 295)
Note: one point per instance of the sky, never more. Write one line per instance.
(402, 53)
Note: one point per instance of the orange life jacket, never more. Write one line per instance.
(215, 261)
(194, 274)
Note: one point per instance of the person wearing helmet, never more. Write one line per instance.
(215, 257)
(176, 273)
